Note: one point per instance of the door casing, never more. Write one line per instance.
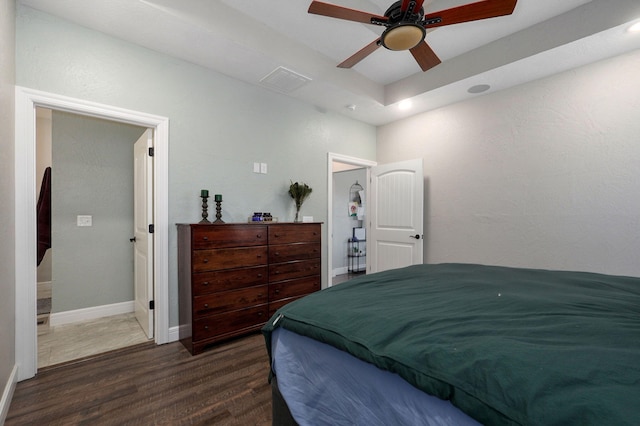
(331, 158)
(26, 350)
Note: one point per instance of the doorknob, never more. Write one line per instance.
(417, 236)
(133, 240)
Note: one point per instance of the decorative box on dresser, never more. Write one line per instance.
(232, 277)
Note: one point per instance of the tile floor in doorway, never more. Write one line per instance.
(67, 342)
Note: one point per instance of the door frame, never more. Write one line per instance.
(339, 158)
(26, 345)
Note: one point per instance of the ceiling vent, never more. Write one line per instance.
(284, 80)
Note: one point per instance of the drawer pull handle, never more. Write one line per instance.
(205, 283)
(206, 305)
(206, 327)
(259, 236)
(277, 254)
(277, 291)
(260, 295)
(259, 314)
(205, 238)
(259, 275)
(205, 260)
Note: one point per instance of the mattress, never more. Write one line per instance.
(322, 385)
(503, 345)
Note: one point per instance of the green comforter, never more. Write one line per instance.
(505, 345)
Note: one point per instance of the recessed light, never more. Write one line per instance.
(404, 105)
(351, 107)
(478, 88)
(635, 28)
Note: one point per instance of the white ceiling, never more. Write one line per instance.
(249, 40)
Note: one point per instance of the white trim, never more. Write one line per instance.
(340, 271)
(26, 101)
(94, 312)
(180, 330)
(331, 157)
(7, 394)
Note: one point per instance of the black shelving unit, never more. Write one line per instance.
(356, 252)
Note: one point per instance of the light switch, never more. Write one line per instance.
(263, 168)
(256, 167)
(84, 220)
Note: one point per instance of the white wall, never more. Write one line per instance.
(7, 206)
(545, 175)
(218, 126)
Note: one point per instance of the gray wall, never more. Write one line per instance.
(92, 174)
(7, 192)
(546, 174)
(218, 126)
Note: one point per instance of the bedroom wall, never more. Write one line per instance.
(543, 175)
(218, 126)
(7, 206)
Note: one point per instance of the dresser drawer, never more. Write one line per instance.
(297, 269)
(229, 322)
(294, 233)
(299, 251)
(216, 259)
(293, 288)
(229, 300)
(229, 279)
(221, 236)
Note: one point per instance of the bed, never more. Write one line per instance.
(460, 344)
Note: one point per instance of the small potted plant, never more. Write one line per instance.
(299, 192)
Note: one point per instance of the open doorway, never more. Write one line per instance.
(26, 102)
(85, 287)
(346, 175)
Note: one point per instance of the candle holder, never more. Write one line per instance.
(218, 211)
(205, 209)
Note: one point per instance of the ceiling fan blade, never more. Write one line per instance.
(471, 12)
(425, 56)
(360, 54)
(333, 11)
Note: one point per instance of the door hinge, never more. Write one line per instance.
(151, 152)
(152, 228)
(152, 304)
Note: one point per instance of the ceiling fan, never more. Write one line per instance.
(406, 25)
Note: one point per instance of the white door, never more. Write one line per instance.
(143, 239)
(396, 229)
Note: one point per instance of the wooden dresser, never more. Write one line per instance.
(233, 277)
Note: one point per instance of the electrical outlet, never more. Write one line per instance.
(84, 220)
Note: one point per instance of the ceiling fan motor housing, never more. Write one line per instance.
(404, 30)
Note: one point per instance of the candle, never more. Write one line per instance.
(218, 197)
(204, 193)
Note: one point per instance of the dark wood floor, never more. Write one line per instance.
(148, 384)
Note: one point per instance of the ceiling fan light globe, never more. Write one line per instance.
(402, 36)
